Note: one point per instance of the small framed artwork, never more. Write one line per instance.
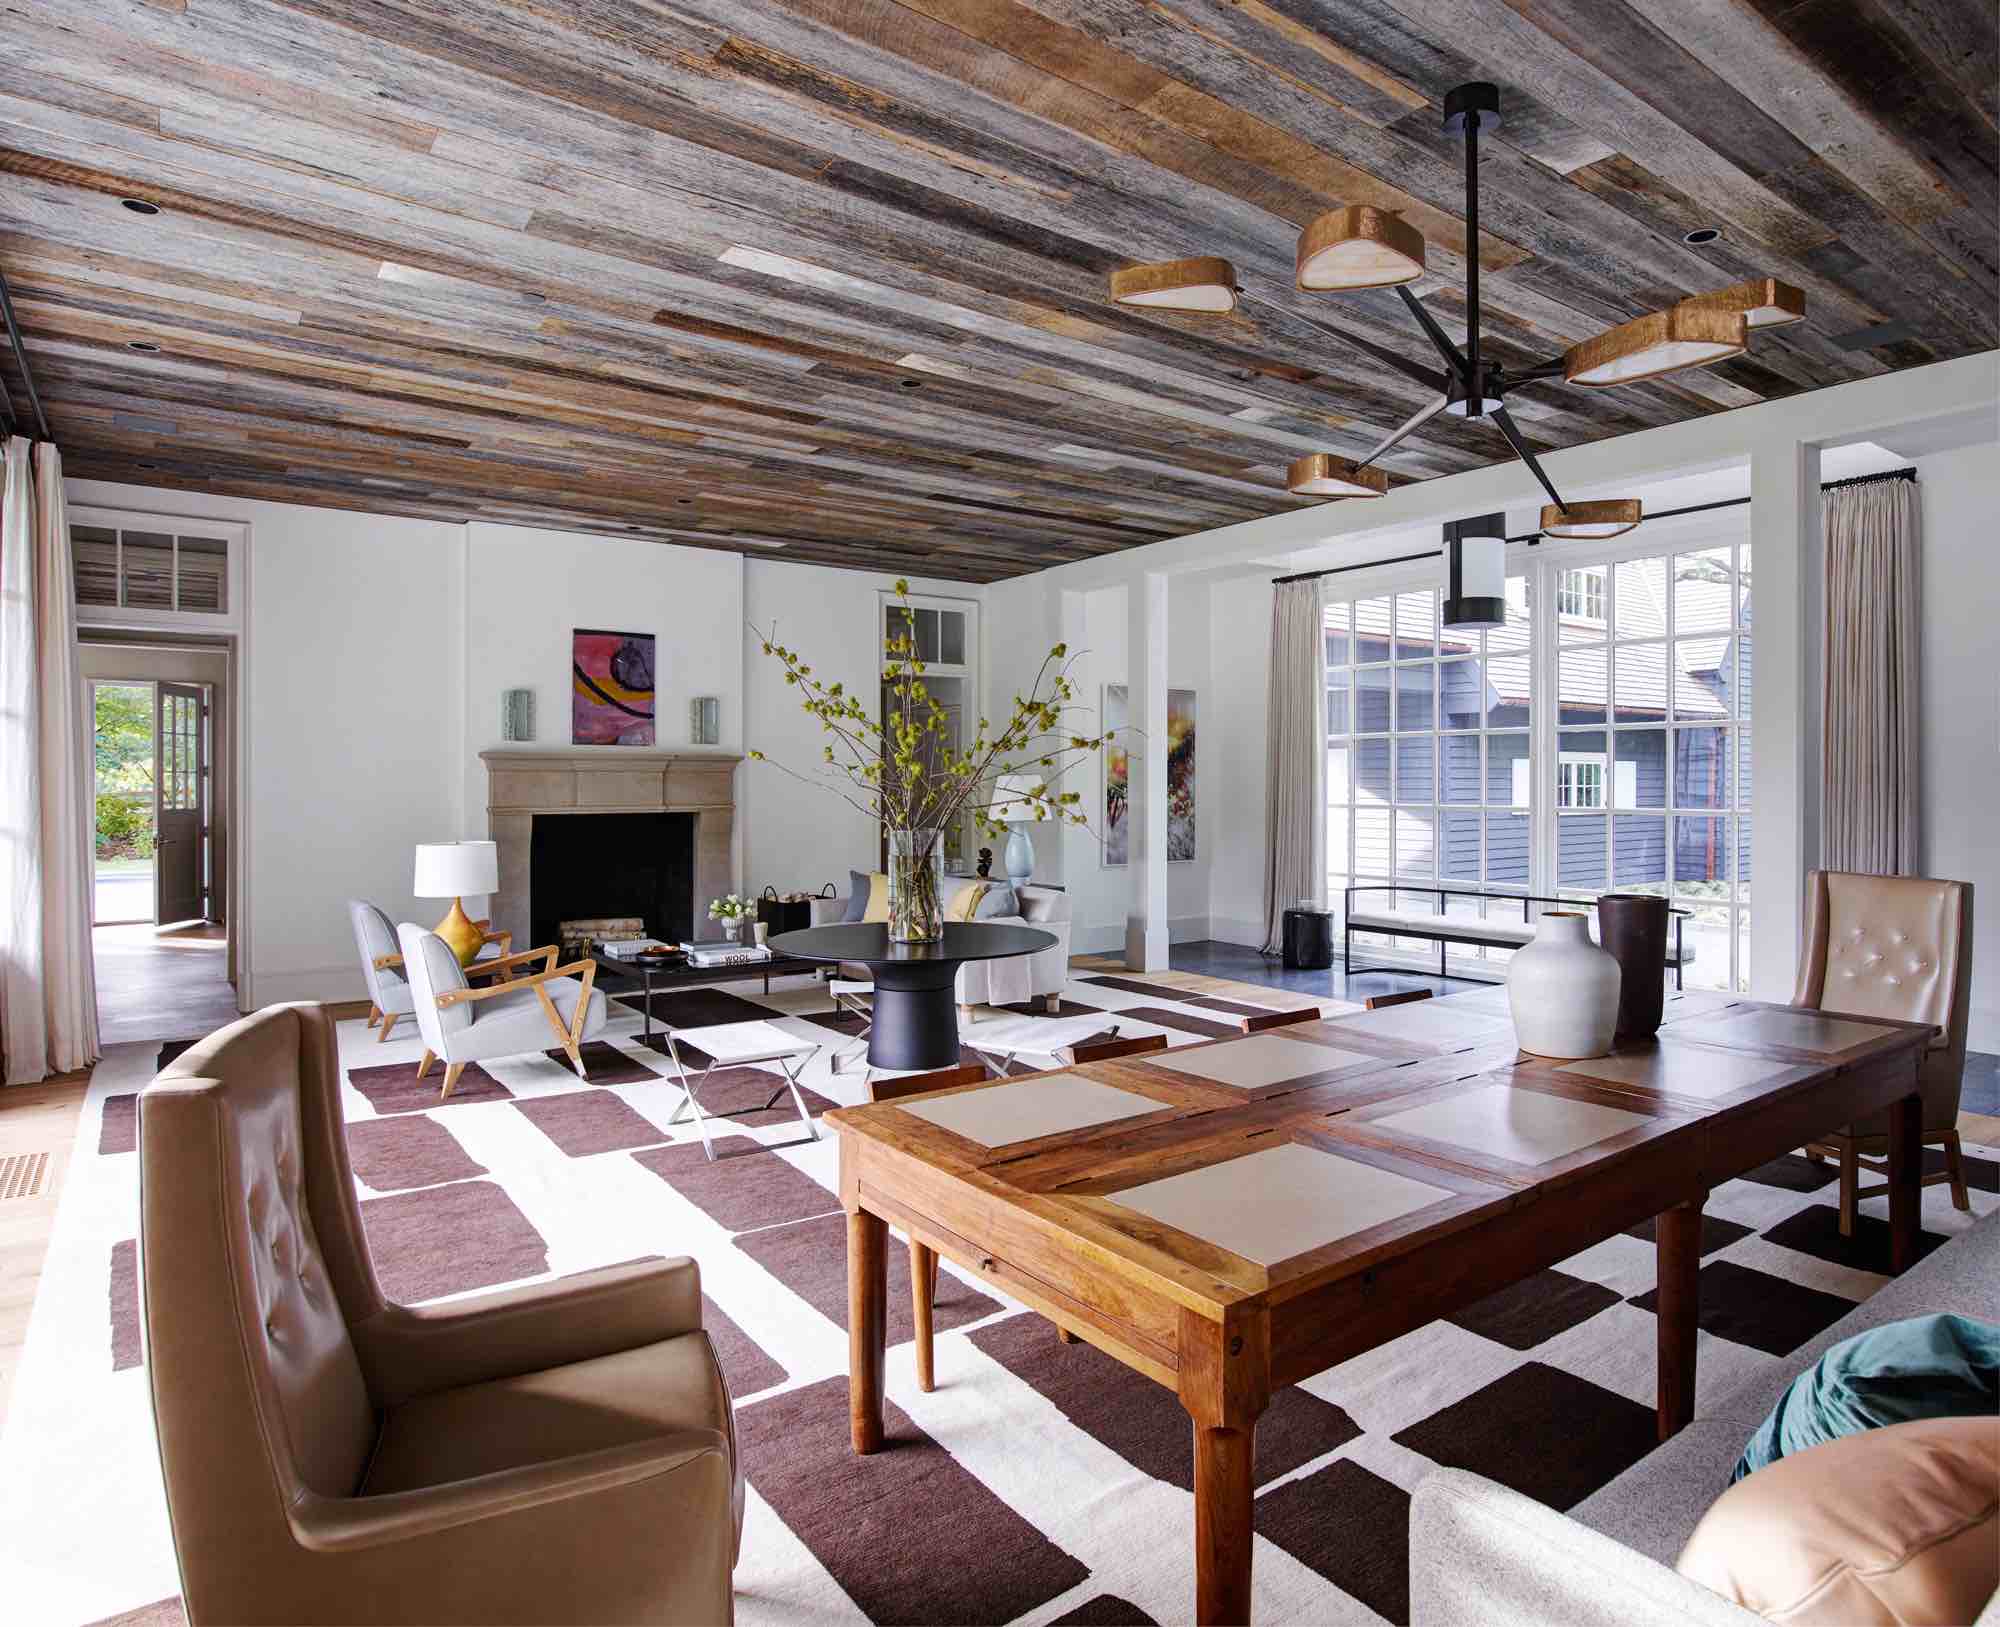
(612, 688)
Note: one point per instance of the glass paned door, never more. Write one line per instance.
(181, 740)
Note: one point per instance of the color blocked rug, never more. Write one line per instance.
(1040, 1483)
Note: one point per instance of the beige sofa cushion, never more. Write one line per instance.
(1895, 1525)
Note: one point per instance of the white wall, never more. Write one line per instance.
(794, 835)
(1240, 661)
(1961, 702)
(351, 731)
(376, 652)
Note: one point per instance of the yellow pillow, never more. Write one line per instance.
(878, 898)
(961, 904)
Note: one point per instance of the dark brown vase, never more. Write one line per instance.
(1632, 929)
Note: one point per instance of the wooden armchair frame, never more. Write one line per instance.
(568, 1035)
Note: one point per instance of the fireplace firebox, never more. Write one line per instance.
(611, 864)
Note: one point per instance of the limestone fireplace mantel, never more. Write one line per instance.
(583, 780)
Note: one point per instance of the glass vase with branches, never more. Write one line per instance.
(898, 763)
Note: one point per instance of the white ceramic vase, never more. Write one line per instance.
(1563, 990)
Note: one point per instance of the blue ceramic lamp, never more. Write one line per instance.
(1014, 804)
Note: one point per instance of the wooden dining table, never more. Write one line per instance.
(1232, 1217)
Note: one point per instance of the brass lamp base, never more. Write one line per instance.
(462, 933)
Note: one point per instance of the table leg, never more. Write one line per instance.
(867, 1325)
(1222, 1534)
(923, 1269)
(1906, 1135)
(1678, 1251)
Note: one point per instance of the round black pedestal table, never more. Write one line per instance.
(916, 1016)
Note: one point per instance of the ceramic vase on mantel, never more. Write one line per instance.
(1563, 990)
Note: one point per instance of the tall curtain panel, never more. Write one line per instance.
(1295, 803)
(24, 1048)
(69, 781)
(1869, 794)
(48, 1002)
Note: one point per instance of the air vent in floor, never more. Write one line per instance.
(21, 1174)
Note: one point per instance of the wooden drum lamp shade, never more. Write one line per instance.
(1356, 247)
(1763, 302)
(1606, 517)
(1323, 474)
(1204, 283)
(1684, 335)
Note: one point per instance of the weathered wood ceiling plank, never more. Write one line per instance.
(832, 271)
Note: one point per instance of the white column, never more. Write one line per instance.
(1784, 613)
(1146, 677)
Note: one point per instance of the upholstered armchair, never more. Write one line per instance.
(528, 1011)
(389, 998)
(1892, 946)
(563, 1452)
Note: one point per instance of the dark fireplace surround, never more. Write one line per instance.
(590, 831)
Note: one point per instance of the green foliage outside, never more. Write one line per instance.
(123, 746)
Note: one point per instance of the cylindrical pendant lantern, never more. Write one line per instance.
(1476, 572)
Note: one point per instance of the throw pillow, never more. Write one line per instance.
(878, 897)
(1891, 1526)
(997, 902)
(1926, 1367)
(962, 903)
(857, 895)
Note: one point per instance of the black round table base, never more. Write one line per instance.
(916, 1018)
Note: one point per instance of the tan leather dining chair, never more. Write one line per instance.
(563, 1452)
(1901, 947)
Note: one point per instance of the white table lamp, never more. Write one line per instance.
(1014, 803)
(456, 870)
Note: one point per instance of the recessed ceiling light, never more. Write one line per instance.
(1703, 234)
(909, 384)
(139, 206)
(145, 466)
(145, 345)
(685, 502)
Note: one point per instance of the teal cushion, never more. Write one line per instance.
(1926, 1367)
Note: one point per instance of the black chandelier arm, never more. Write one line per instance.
(1423, 415)
(1445, 347)
(1389, 358)
(1552, 368)
(1507, 426)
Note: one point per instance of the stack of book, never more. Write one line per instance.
(628, 948)
(725, 952)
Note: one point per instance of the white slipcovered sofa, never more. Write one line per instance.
(1482, 1553)
(1040, 976)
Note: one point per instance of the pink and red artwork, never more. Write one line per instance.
(611, 688)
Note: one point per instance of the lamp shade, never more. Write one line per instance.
(1358, 247)
(1014, 797)
(1763, 302)
(1605, 517)
(1204, 283)
(1687, 335)
(1476, 572)
(457, 869)
(1325, 474)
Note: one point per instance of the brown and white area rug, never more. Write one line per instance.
(1040, 1483)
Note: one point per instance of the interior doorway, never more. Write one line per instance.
(161, 747)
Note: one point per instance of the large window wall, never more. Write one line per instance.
(1599, 740)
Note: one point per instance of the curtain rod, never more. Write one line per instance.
(1533, 538)
(21, 360)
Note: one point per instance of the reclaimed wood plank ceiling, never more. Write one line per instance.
(832, 273)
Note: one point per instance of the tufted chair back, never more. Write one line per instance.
(1894, 946)
(252, 1265)
(434, 970)
(374, 937)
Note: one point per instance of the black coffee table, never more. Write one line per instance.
(674, 972)
(916, 1025)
